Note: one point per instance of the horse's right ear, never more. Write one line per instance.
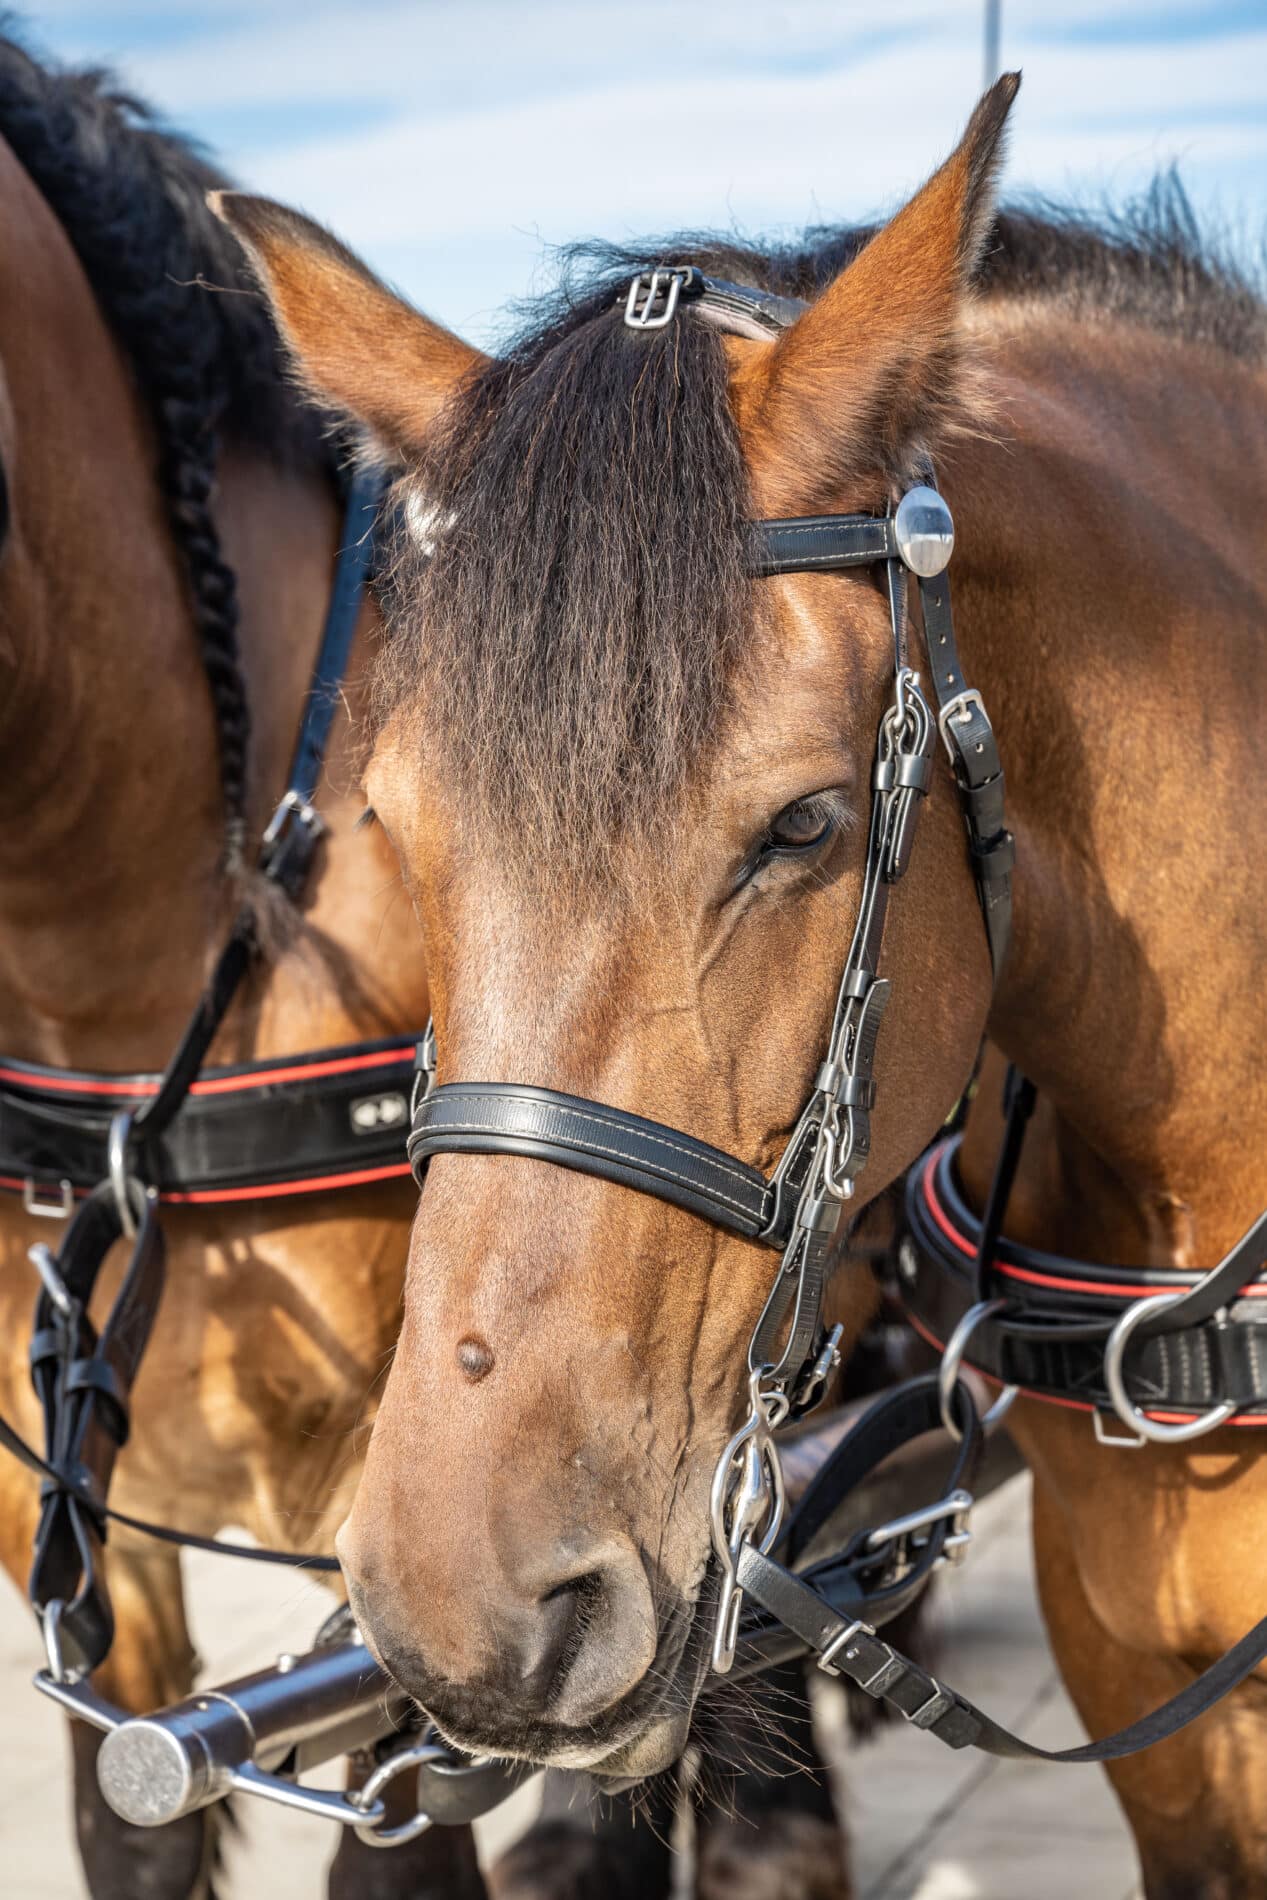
(357, 346)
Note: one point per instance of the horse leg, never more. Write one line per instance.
(590, 1847)
(440, 1865)
(152, 1662)
(779, 1836)
(1196, 1804)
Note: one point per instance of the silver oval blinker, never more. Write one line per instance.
(925, 532)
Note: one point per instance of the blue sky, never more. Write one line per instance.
(452, 141)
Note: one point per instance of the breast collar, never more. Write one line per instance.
(799, 1209)
(296, 1124)
(1151, 1355)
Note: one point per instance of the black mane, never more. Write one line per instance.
(171, 283)
(131, 196)
(1149, 263)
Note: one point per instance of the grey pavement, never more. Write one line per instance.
(925, 1823)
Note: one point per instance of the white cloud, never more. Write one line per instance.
(440, 137)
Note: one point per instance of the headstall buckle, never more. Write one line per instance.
(959, 709)
(653, 296)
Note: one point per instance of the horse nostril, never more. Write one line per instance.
(567, 1610)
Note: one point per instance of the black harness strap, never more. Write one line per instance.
(1053, 1317)
(247, 1131)
(850, 1647)
(83, 1381)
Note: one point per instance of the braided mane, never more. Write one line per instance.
(130, 196)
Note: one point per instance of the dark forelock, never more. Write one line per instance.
(572, 632)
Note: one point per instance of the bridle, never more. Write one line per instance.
(799, 1209)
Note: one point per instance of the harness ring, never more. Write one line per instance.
(948, 1371)
(1139, 1422)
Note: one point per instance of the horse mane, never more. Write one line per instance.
(575, 625)
(1148, 262)
(130, 195)
(172, 285)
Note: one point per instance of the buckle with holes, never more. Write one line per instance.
(959, 709)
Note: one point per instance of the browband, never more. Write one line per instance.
(803, 543)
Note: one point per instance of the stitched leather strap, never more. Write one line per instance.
(890, 1677)
(510, 1118)
(1208, 1347)
(281, 1125)
(805, 543)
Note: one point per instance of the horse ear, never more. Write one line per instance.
(357, 346)
(873, 367)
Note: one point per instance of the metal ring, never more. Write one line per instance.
(948, 1371)
(117, 1160)
(1125, 1406)
(415, 1757)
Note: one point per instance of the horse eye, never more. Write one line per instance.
(804, 823)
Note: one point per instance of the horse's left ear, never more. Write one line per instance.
(873, 366)
(358, 347)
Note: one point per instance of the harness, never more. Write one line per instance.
(774, 1600)
(105, 1151)
(1167, 1356)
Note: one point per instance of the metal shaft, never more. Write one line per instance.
(305, 1710)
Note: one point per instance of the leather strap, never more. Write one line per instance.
(851, 1648)
(1209, 1347)
(83, 1383)
(511, 1118)
(830, 543)
(282, 1125)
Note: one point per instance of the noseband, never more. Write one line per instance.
(798, 1210)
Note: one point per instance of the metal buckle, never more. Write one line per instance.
(958, 709)
(1157, 1432)
(289, 840)
(667, 282)
(948, 1371)
(826, 1659)
(810, 1388)
(956, 1505)
(60, 1209)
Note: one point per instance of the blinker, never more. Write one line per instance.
(924, 531)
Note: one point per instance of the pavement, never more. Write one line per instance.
(925, 1823)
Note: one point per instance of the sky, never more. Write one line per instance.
(452, 142)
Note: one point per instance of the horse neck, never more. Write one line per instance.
(1111, 608)
(111, 827)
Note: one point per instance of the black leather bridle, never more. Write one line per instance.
(798, 1210)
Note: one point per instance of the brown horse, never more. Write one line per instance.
(627, 785)
(116, 374)
(151, 452)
